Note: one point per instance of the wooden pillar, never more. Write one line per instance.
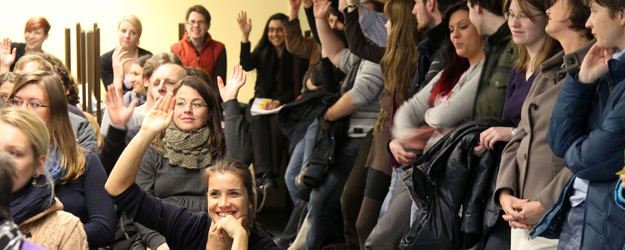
(68, 49)
(90, 79)
(96, 71)
(181, 31)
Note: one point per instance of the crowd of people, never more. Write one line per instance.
(402, 124)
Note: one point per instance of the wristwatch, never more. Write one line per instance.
(513, 131)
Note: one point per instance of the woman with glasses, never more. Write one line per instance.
(278, 74)
(128, 32)
(172, 166)
(527, 21)
(77, 174)
(197, 48)
(531, 176)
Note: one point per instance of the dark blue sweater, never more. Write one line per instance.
(181, 228)
(87, 200)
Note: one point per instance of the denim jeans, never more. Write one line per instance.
(299, 159)
(571, 235)
(395, 177)
(325, 225)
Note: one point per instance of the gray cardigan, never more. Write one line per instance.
(416, 111)
(184, 186)
(84, 133)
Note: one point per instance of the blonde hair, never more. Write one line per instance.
(43, 63)
(401, 57)
(59, 126)
(134, 21)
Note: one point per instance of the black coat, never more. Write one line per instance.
(446, 179)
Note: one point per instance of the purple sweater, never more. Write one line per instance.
(87, 200)
(517, 90)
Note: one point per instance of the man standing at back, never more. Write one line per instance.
(488, 18)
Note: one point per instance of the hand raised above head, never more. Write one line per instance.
(321, 8)
(7, 55)
(118, 64)
(295, 3)
(237, 79)
(118, 112)
(245, 24)
(160, 116)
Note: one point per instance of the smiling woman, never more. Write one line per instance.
(35, 33)
(278, 74)
(187, 121)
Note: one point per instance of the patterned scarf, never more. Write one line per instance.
(53, 164)
(10, 236)
(186, 149)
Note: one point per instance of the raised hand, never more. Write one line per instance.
(295, 4)
(237, 79)
(118, 112)
(245, 25)
(118, 65)
(307, 3)
(321, 8)
(7, 56)
(595, 64)
(160, 116)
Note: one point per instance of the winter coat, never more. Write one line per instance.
(445, 179)
(588, 131)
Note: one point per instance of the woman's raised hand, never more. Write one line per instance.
(7, 55)
(321, 8)
(160, 116)
(118, 112)
(230, 90)
(245, 25)
(118, 65)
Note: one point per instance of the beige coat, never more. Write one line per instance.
(56, 229)
(528, 166)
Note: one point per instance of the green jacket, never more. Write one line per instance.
(491, 96)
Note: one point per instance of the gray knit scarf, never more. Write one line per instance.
(186, 149)
(10, 236)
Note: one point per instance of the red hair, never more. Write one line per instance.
(37, 22)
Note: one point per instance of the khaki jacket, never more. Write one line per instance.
(528, 166)
(55, 229)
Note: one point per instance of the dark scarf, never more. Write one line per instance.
(186, 149)
(34, 200)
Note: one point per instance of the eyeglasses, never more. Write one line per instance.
(182, 104)
(31, 105)
(509, 15)
(270, 30)
(193, 22)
